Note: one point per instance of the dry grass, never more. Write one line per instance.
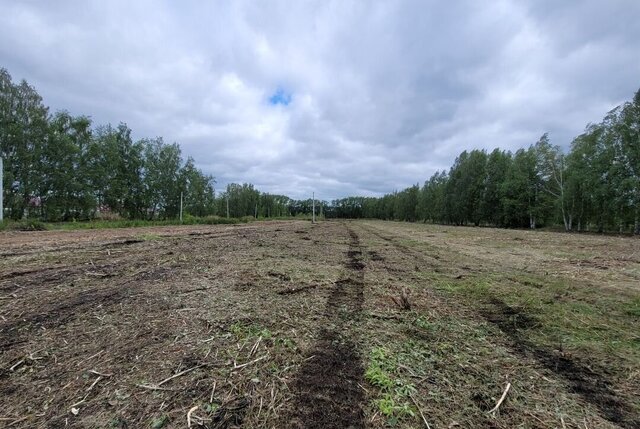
(136, 328)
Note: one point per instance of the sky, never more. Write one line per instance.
(333, 97)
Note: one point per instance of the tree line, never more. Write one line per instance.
(60, 167)
(593, 187)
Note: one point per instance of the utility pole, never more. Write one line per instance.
(313, 217)
(1, 191)
(180, 207)
(227, 205)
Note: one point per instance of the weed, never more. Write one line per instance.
(393, 404)
(423, 324)
(159, 422)
(287, 343)
(633, 308)
(391, 409)
(117, 422)
(242, 331)
(378, 377)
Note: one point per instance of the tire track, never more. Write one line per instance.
(582, 379)
(327, 394)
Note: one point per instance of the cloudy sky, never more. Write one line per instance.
(336, 97)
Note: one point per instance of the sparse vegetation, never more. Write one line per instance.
(257, 323)
(395, 393)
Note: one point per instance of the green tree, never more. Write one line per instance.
(23, 131)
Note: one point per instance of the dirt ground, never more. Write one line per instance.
(333, 325)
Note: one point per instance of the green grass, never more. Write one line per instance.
(23, 225)
(36, 225)
(569, 315)
(393, 401)
(243, 331)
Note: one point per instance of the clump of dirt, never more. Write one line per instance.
(281, 276)
(230, 414)
(354, 262)
(509, 319)
(294, 290)
(127, 242)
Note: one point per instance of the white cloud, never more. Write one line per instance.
(383, 93)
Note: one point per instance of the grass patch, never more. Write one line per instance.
(633, 308)
(394, 392)
(243, 331)
(24, 225)
(566, 316)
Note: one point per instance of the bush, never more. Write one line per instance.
(26, 225)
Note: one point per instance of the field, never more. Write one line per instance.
(338, 324)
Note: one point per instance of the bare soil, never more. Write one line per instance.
(281, 324)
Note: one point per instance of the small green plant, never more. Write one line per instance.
(378, 377)
(117, 422)
(394, 404)
(159, 422)
(424, 324)
(247, 331)
(633, 308)
(388, 407)
(287, 343)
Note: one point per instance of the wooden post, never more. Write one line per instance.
(180, 207)
(227, 205)
(313, 204)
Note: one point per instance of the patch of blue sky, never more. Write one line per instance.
(280, 97)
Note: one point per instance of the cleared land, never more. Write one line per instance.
(289, 324)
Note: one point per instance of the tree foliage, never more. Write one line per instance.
(595, 186)
(60, 167)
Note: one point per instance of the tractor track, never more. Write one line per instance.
(581, 378)
(326, 388)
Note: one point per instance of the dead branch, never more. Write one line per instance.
(186, 371)
(17, 364)
(157, 385)
(80, 401)
(150, 387)
(213, 391)
(504, 395)
(420, 411)
(237, 367)
(191, 410)
(94, 383)
(255, 347)
(91, 357)
(101, 374)
(402, 302)
(17, 421)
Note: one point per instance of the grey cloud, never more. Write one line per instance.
(383, 93)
